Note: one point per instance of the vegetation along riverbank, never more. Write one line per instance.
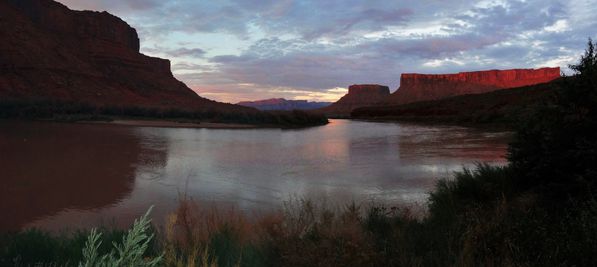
(539, 210)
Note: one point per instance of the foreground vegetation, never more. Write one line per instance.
(72, 111)
(476, 219)
(539, 210)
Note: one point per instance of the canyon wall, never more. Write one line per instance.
(421, 87)
(50, 52)
(359, 95)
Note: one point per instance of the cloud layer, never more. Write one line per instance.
(235, 50)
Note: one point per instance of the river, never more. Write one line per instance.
(60, 176)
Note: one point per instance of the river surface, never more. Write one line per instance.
(59, 176)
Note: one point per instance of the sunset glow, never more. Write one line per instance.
(247, 50)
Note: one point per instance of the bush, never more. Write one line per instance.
(35, 247)
(537, 211)
(130, 252)
(555, 149)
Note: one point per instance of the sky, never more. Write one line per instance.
(238, 50)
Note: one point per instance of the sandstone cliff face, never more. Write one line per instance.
(51, 52)
(422, 87)
(84, 25)
(359, 95)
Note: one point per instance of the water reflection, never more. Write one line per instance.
(127, 169)
(49, 167)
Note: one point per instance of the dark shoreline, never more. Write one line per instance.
(492, 127)
(73, 111)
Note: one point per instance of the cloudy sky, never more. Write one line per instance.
(233, 50)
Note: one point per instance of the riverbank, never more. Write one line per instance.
(73, 111)
(417, 121)
(174, 124)
(162, 123)
(478, 217)
(255, 169)
(539, 210)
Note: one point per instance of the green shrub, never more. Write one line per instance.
(555, 148)
(130, 252)
(34, 247)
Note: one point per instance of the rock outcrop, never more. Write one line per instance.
(421, 87)
(51, 52)
(359, 95)
(283, 104)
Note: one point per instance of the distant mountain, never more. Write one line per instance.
(49, 52)
(283, 104)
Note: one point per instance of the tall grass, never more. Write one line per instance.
(476, 218)
(300, 234)
(34, 247)
(540, 210)
(130, 252)
(198, 236)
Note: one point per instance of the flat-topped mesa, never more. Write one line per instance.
(421, 87)
(359, 95)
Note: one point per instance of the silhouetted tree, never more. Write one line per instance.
(555, 149)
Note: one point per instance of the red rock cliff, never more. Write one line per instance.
(359, 95)
(51, 52)
(421, 87)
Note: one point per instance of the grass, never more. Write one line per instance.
(476, 218)
(539, 210)
(34, 247)
(130, 252)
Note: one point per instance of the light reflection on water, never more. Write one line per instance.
(111, 174)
